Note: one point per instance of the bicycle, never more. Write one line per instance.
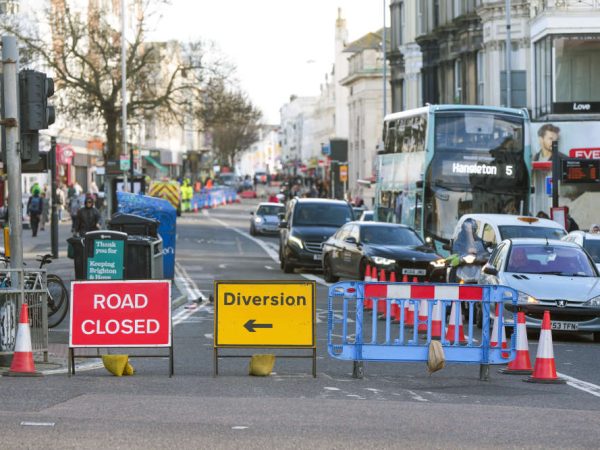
(58, 295)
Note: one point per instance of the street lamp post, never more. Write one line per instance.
(508, 54)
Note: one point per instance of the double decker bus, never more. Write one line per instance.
(442, 161)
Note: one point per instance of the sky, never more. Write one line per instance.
(280, 47)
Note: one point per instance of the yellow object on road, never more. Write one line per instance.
(118, 365)
(261, 365)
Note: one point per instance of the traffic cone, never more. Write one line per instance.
(423, 314)
(368, 303)
(544, 369)
(451, 331)
(493, 341)
(521, 365)
(395, 310)
(436, 320)
(22, 363)
(382, 306)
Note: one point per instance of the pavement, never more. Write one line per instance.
(58, 338)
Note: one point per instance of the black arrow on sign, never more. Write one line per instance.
(250, 325)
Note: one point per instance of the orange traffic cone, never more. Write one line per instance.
(195, 207)
(451, 331)
(368, 303)
(521, 365)
(423, 314)
(22, 363)
(494, 337)
(436, 320)
(382, 305)
(392, 277)
(544, 369)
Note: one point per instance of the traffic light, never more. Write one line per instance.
(34, 112)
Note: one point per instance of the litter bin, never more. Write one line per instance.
(163, 212)
(144, 245)
(76, 253)
(105, 255)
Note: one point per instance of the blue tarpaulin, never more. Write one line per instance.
(161, 210)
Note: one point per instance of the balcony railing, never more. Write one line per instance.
(569, 5)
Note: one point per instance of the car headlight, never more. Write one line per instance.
(593, 302)
(258, 220)
(295, 240)
(438, 263)
(526, 299)
(469, 259)
(383, 261)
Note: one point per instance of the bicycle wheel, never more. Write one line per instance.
(58, 300)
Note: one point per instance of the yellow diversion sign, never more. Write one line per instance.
(265, 314)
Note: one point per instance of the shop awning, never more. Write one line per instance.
(156, 164)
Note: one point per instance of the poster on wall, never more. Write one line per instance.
(575, 140)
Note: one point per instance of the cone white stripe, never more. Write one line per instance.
(436, 312)
(398, 291)
(423, 311)
(23, 339)
(446, 292)
(545, 350)
(522, 343)
(453, 314)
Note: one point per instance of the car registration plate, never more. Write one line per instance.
(565, 326)
(317, 257)
(414, 272)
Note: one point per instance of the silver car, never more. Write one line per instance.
(551, 275)
(265, 219)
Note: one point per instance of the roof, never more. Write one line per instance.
(437, 108)
(270, 204)
(321, 200)
(370, 41)
(542, 241)
(507, 219)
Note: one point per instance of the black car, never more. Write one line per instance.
(393, 247)
(306, 225)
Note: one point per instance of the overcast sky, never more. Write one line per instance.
(280, 47)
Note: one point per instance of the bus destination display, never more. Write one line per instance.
(580, 171)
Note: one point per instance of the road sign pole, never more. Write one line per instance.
(10, 63)
(54, 197)
(555, 173)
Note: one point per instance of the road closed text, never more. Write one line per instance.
(121, 313)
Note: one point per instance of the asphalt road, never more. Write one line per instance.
(394, 405)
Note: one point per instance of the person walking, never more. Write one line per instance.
(34, 210)
(60, 202)
(74, 207)
(45, 211)
(88, 217)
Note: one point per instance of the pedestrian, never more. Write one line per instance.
(34, 210)
(571, 224)
(595, 228)
(88, 217)
(60, 203)
(78, 188)
(74, 207)
(542, 215)
(45, 211)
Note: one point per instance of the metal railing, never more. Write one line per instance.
(18, 286)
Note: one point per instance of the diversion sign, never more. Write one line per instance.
(265, 314)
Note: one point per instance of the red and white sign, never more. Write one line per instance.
(585, 153)
(120, 314)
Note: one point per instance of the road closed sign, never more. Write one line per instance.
(120, 314)
(265, 314)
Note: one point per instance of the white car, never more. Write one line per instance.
(494, 228)
(589, 241)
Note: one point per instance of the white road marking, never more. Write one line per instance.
(327, 388)
(239, 427)
(416, 396)
(222, 266)
(37, 424)
(581, 385)
(268, 268)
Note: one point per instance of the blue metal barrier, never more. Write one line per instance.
(353, 336)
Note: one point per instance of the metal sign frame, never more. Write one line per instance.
(216, 347)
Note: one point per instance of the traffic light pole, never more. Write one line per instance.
(10, 62)
(54, 197)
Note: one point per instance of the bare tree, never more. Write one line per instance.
(233, 119)
(85, 60)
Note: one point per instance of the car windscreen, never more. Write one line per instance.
(527, 231)
(549, 260)
(269, 210)
(386, 235)
(321, 214)
(593, 248)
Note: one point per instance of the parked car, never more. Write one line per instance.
(366, 216)
(589, 241)
(265, 219)
(552, 275)
(306, 225)
(230, 180)
(393, 247)
(476, 235)
(358, 210)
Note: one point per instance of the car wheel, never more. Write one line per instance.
(327, 273)
(287, 267)
(596, 337)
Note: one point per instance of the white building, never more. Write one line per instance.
(263, 155)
